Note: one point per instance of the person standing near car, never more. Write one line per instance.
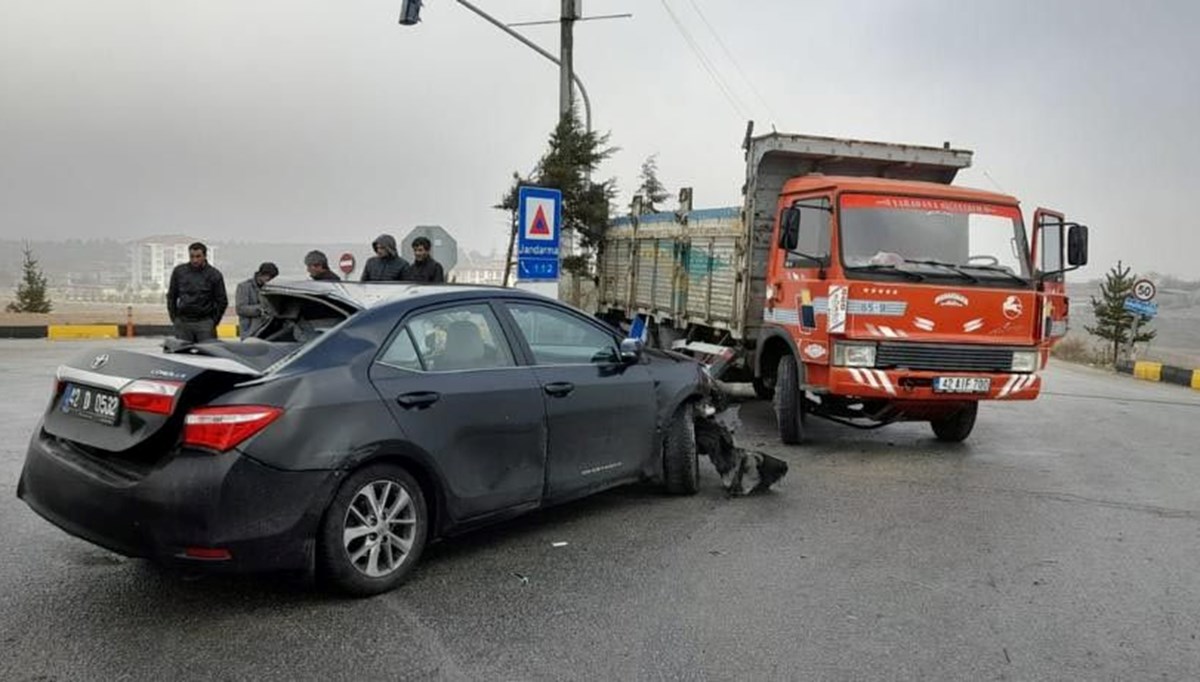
(424, 268)
(249, 310)
(318, 267)
(386, 265)
(196, 298)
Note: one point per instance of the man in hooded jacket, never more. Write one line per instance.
(386, 265)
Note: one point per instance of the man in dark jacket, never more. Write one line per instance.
(424, 268)
(386, 265)
(318, 267)
(250, 313)
(196, 298)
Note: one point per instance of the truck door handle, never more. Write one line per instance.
(418, 399)
(559, 389)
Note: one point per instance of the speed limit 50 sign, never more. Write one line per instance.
(1144, 290)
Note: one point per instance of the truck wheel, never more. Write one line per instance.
(373, 532)
(956, 427)
(764, 387)
(681, 462)
(789, 403)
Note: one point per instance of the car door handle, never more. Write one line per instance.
(559, 389)
(419, 399)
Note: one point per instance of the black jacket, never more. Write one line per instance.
(196, 294)
(427, 270)
(327, 276)
(390, 268)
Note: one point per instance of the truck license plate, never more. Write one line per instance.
(962, 385)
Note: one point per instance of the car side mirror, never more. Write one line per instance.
(1077, 245)
(631, 351)
(789, 229)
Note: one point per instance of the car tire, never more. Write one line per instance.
(764, 387)
(789, 402)
(681, 460)
(353, 558)
(956, 427)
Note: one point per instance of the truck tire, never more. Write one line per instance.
(764, 388)
(789, 402)
(681, 461)
(956, 427)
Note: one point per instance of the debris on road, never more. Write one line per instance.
(742, 471)
(524, 579)
(559, 544)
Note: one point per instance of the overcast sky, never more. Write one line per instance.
(318, 121)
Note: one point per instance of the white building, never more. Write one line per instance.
(152, 259)
(476, 269)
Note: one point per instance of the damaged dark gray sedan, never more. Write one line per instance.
(364, 421)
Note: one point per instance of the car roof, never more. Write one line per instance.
(366, 295)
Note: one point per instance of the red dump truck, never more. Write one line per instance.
(854, 283)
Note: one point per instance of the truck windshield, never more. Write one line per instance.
(974, 242)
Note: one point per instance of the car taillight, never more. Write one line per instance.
(155, 397)
(223, 428)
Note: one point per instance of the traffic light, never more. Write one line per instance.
(410, 12)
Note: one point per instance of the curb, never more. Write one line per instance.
(78, 332)
(1156, 371)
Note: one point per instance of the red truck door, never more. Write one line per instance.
(1049, 237)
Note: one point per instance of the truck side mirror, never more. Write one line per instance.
(789, 229)
(1077, 245)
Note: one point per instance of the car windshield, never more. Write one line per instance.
(938, 238)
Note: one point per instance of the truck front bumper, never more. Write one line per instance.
(862, 382)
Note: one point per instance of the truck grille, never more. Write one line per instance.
(937, 356)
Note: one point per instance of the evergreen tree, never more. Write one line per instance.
(652, 191)
(1113, 323)
(573, 155)
(31, 292)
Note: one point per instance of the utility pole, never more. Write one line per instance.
(566, 48)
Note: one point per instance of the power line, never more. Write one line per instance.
(733, 61)
(705, 63)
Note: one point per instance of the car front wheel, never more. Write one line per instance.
(373, 531)
(681, 463)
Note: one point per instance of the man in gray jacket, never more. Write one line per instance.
(249, 310)
(386, 265)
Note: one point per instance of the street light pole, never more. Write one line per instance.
(566, 48)
(570, 74)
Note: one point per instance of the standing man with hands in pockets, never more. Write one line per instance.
(196, 298)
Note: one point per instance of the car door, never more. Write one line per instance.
(600, 412)
(452, 383)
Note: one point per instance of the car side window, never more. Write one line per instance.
(558, 338)
(402, 352)
(451, 340)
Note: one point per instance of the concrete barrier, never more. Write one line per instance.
(73, 332)
(1156, 371)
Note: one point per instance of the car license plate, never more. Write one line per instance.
(962, 385)
(91, 403)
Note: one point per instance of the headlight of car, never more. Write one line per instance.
(1025, 361)
(854, 354)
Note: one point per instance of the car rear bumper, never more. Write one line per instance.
(265, 518)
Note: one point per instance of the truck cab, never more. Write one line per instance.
(902, 300)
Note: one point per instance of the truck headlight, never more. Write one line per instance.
(854, 354)
(1025, 361)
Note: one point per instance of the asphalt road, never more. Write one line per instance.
(1061, 542)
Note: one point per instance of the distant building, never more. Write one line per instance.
(473, 268)
(152, 259)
